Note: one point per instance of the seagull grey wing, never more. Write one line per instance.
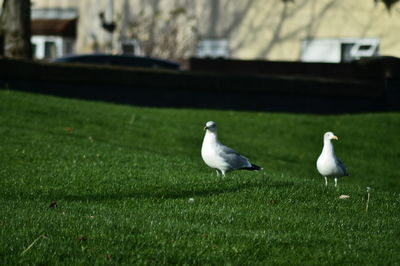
(342, 167)
(233, 158)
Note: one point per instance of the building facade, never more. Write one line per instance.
(297, 30)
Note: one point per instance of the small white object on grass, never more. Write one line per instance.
(344, 196)
(328, 165)
(191, 200)
(220, 157)
(368, 195)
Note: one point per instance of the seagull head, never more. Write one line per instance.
(328, 136)
(211, 126)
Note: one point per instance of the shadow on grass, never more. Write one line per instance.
(177, 192)
(158, 192)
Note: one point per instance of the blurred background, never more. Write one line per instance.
(285, 30)
(297, 30)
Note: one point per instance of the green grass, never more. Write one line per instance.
(122, 179)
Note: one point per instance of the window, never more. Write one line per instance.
(50, 49)
(131, 47)
(345, 52)
(68, 47)
(46, 47)
(212, 48)
(34, 48)
(338, 50)
(364, 48)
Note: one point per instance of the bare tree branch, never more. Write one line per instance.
(388, 3)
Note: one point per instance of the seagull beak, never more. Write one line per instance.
(334, 137)
(205, 128)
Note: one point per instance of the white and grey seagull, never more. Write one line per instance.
(220, 157)
(328, 165)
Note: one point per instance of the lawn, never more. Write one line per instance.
(85, 183)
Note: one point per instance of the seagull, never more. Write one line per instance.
(328, 164)
(220, 157)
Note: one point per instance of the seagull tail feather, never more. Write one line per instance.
(253, 167)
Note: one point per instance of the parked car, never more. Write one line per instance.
(119, 60)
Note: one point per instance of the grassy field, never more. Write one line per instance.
(85, 183)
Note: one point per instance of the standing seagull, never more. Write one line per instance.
(328, 164)
(220, 157)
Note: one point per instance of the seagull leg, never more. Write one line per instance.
(335, 182)
(326, 181)
(217, 172)
(223, 173)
